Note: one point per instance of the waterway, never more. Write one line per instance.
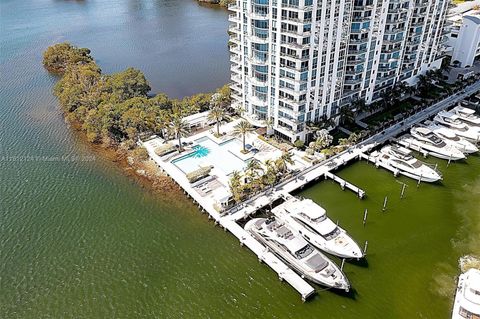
(78, 239)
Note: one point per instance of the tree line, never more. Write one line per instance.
(116, 108)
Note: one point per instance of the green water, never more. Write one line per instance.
(80, 240)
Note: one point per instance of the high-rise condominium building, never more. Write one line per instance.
(299, 61)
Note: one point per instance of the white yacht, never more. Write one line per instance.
(467, 298)
(297, 253)
(450, 137)
(460, 128)
(310, 220)
(423, 139)
(402, 160)
(467, 115)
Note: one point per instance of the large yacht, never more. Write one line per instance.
(467, 298)
(308, 219)
(402, 160)
(467, 115)
(297, 253)
(460, 128)
(423, 139)
(450, 137)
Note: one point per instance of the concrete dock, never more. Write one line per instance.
(228, 219)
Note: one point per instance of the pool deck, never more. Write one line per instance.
(229, 223)
(228, 219)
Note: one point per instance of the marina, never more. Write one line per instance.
(82, 239)
(217, 203)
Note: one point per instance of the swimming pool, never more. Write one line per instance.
(208, 152)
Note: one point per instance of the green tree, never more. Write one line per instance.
(81, 85)
(180, 128)
(299, 143)
(358, 105)
(235, 185)
(161, 101)
(346, 115)
(270, 176)
(282, 161)
(253, 169)
(242, 129)
(225, 94)
(323, 140)
(58, 57)
(127, 84)
(137, 116)
(216, 114)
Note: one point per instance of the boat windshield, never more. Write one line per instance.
(333, 234)
(435, 139)
(468, 314)
(304, 252)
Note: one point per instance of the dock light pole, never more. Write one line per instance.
(403, 191)
(365, 214)
(385, 204)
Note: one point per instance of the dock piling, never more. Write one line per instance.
(385, 204)
(365, 214)
(343, 263)
(403, 191)
(365, 248)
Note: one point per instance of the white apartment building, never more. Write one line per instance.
(295, 61)
(464, 36)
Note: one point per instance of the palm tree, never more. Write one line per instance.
(358, 105)
(283, 160)
(270, 176)
(253, 167)
(346, 115)
(236, 186)
(323, 140)
(161, 122)
(242, 129)
(353, 138)
(269, 124)
(423, 83)
(180, 128)
(238, 109)
(216, 114)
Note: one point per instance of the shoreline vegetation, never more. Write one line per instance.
(114, 110)
(221, 3)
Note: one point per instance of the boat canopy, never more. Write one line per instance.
(306, 207)
(448, 115)
(446, 132)
(317, 262)
(423, 130)
(326, 227)
(464, 110)
(295, 244)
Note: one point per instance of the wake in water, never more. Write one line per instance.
(468, 262)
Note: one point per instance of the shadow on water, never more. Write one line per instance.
(363, 262)
(351, 294)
